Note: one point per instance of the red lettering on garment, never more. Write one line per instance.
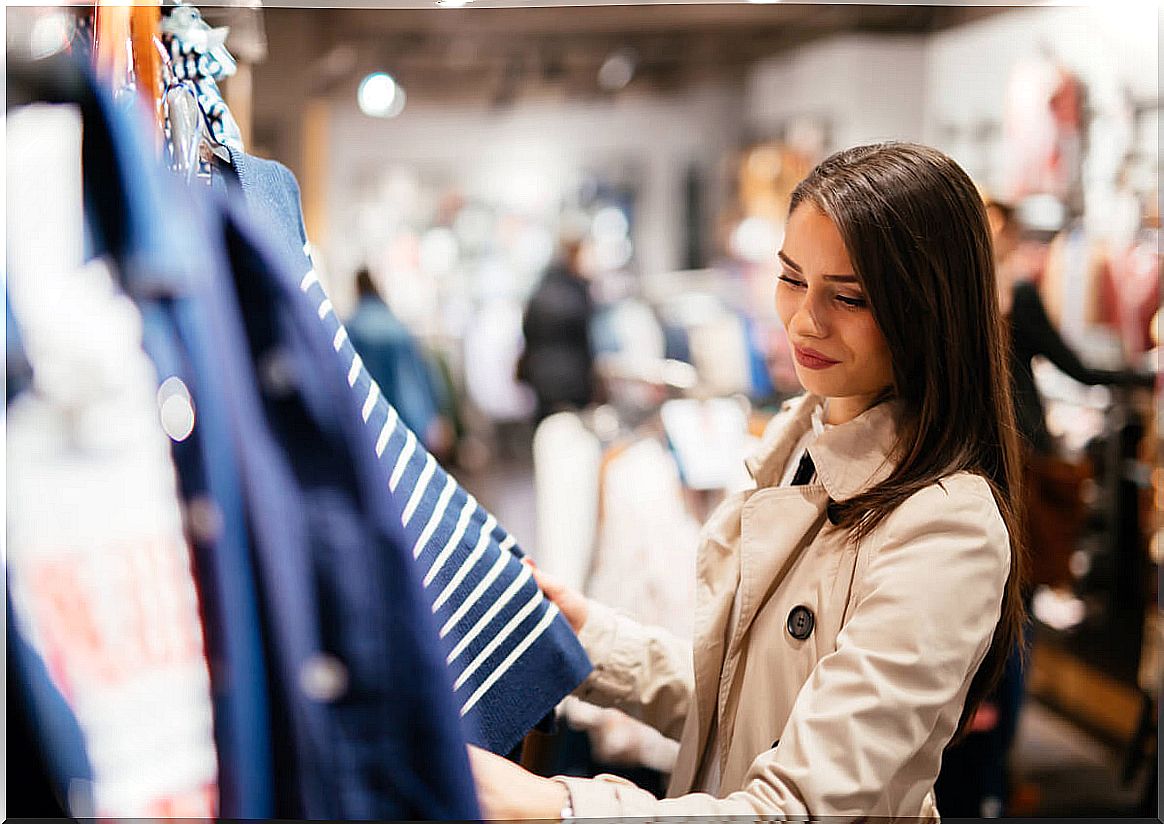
(110, 615)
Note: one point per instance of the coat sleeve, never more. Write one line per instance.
(923, 617)
(644, 671)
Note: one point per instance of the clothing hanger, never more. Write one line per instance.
(193, 123)
(190, 135)
(123, 52)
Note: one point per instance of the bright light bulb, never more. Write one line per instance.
(379, 96)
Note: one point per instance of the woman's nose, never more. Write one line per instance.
(807, 319)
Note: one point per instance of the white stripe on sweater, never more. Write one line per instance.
(419, 490)
(490, 613)
(499, 639)
(518, 651)
(453, 542)
(354, 372)
(438, 515)
(386, 431)
(370, 402)
(467, 564)
(402, 460)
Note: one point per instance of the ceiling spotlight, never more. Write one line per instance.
(380, 96)
(617, 70)
(763, 2)
(453, 4)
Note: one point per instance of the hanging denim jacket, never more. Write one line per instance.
(362, 719)
(148, 225)
(512, 655)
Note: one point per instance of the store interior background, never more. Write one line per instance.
(673, 135)
(670, 135)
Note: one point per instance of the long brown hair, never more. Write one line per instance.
(917, 234)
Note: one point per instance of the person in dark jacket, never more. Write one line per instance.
(558, 362)
(1032, 333)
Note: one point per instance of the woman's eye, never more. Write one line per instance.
(852, 302)
(795, 283)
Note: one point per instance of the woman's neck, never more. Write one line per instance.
(843, 410)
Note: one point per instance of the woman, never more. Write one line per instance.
(855, 607)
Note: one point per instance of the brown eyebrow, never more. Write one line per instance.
(791, 264)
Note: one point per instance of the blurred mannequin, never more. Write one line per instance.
(395, 361)
(558, 362)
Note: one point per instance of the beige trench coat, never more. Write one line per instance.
(851, 720)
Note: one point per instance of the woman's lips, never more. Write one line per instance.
(811, 359)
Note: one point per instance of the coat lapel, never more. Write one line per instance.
(776, 525)
(754, 537)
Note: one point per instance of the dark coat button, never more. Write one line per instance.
(800, 622)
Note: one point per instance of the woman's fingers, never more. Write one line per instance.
(572, 604)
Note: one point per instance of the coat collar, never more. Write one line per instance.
(850, 458)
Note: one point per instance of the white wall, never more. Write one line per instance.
(539, 145)
(948, 89)
(967, 68)
(867, 87)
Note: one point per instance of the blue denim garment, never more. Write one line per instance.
(363, 724)
(53, 755)
(512, 655)
(17, 372)
(172, 269)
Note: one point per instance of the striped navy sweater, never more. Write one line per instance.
(512, 655)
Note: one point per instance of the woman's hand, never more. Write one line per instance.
(573, 604)
(506, 790)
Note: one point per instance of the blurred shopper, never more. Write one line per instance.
(975, 780)
(814, 689)
(558, 361)
(396, 362)
(1033, 334)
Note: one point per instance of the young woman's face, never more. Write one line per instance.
(838, 349)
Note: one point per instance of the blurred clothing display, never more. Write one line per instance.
(646, 538)
(720, 353)
(1043, 129)
(558, 361)
(1135, 282)
(709, 439)
(492, 356)
(567, 459)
